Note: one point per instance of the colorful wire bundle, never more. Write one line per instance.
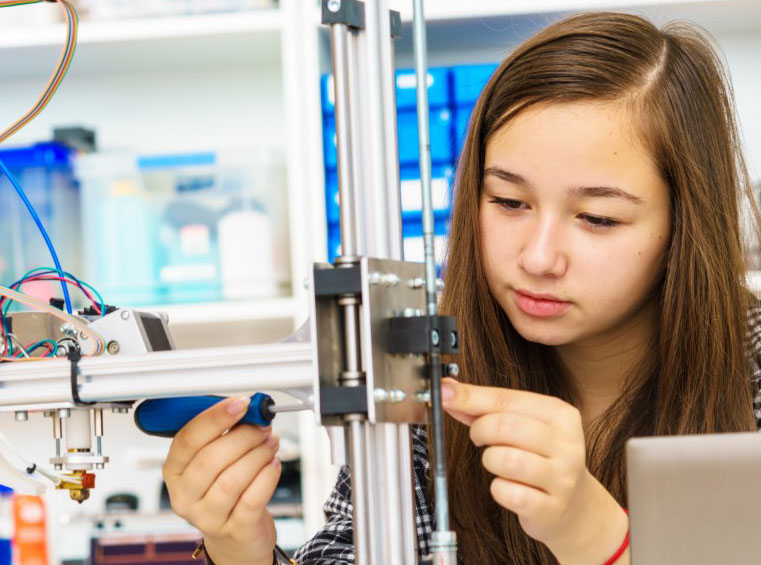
(83, 329)
(63, 64)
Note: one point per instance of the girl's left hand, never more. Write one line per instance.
(534, 445)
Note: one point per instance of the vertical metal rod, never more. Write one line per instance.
(443, 544)
(407, 491)
(359, 495)
(339, 36)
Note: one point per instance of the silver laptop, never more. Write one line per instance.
(695, 500)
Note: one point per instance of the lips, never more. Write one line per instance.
(540, 305)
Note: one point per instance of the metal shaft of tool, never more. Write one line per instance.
(443, 546)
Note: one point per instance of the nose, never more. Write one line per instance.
(542, 253)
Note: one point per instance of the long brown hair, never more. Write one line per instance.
(696, 377)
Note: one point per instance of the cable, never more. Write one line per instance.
(44, 233)
(100, 344)
(63, 64)
(41, 273)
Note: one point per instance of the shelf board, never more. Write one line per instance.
(282, 308)
(716, 15)
(146, 44)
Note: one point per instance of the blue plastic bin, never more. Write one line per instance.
(45, 173)
(468, 81)
(439, 89)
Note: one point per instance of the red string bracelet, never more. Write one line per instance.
(620, 551)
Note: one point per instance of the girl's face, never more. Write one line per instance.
(574, 222)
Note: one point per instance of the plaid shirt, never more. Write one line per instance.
(333, 544)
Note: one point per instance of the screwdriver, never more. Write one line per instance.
(165, 416)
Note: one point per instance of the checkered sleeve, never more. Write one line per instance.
(754, 341)
(334, 545)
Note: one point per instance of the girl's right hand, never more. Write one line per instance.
(221, 484)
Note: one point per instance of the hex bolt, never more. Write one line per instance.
(64, 412)
(374, 278)
(452, 369)
(334, 5)
(435, 338)
(396, 396)
(439, 284)
(417, 282)
(48, 413)
(390, 279)
(453, 339)
(125, 314)
(68, 329)
(113, 347)
(380, 395)
(22, 415)
(423, 396)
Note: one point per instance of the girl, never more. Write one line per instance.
(595, 268)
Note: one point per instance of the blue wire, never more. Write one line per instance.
(36, 218)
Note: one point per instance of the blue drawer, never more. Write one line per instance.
(439, 88)
(441, 128)
(468, 81)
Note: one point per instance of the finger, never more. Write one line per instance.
(223, 495)
(252, 503)
(212, 460)
(508, 428)
(520, 466)
(521, 499)
(461, 417)
(202, 430)
(480, 400)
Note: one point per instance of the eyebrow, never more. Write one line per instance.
(577, 192)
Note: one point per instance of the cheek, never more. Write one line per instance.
(628, 272)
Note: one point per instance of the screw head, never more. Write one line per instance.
(452, 369)
(22, 415)
(334, 5)
(374, 278)
(390, 279)
(64, 412)
(125, 314)
(416, 282)
(439, 284)
(380, 395)
(423, 396)
(396, 396)
(113, 347)
(453, 339)
(68, 329)
(435, 338)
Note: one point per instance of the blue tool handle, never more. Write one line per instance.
(165, 416)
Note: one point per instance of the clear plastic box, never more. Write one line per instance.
(185, 228)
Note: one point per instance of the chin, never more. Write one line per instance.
(547, 332)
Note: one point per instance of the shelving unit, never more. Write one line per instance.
(254, 77)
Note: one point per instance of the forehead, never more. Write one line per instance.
(574, 143)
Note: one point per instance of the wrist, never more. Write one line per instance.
(220, 553)
(597, 533)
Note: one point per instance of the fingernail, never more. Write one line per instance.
(447, 392)
(238, 405)
(272, 440)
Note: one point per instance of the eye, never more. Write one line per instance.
(599, 222)
(507, 203)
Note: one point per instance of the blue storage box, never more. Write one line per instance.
(406, 98)
(468, 81)
(411, 196)
(438, 89)
(441, 130)
(45, 173)
(414, 246)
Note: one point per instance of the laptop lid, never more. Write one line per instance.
(695, 500)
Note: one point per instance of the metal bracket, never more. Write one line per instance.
(423, 334)
(352, 13)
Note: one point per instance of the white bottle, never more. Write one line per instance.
(246, 255)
